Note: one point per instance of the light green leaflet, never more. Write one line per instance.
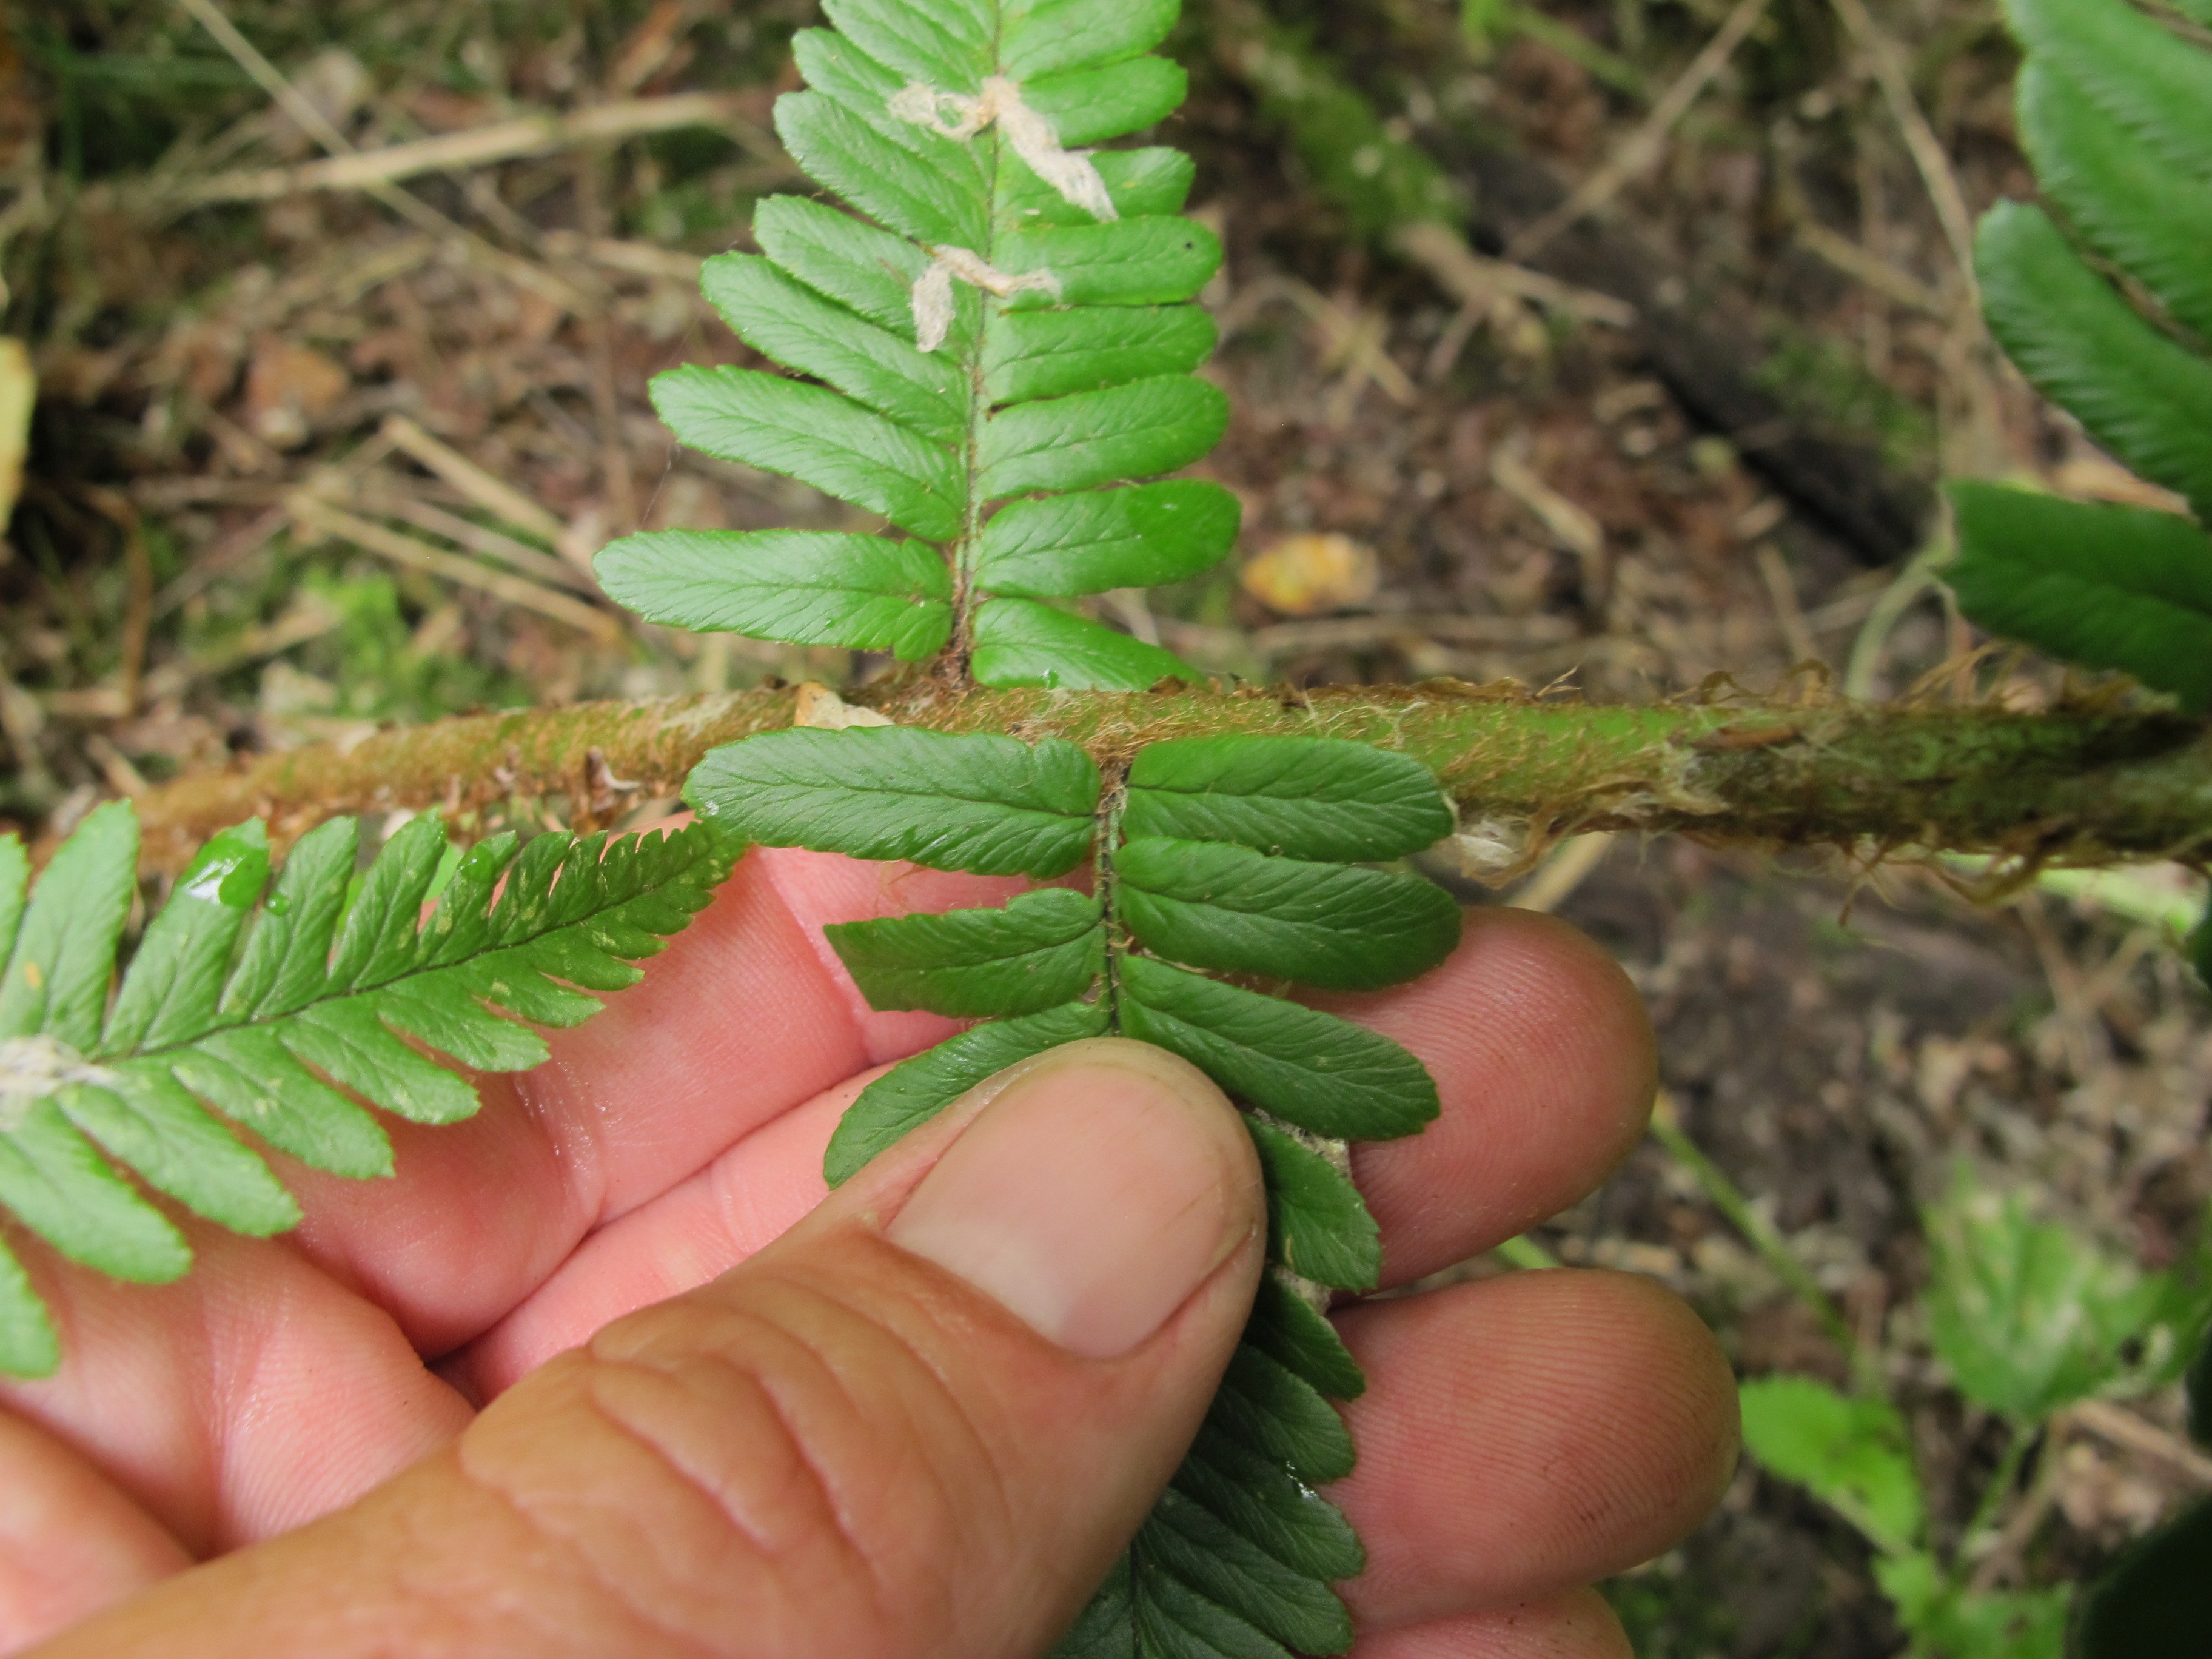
(1240, 1554)
(985, 367)
(250, 1014)
(1855, 1455)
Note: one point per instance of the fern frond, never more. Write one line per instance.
(1234, 854)
(985, 367)
(282, 1022)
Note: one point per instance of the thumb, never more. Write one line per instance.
(922, 1423)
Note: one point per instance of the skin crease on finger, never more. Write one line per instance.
(1528, 1026)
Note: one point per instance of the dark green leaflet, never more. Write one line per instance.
(988, 804)
(1306, 798)
(1217, 906)
(2143, 396)
(318, 989)
(1239, 1556)
(910, 1094)
(1322, 1073)
(2110, 586)
(1043, 948)
(2110, 106)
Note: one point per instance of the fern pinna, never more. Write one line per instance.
(2113, 111)
(1013, 333)
(252, 1013)
(990, 367)
(1234, 856)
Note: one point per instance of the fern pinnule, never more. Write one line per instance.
(283, 1021)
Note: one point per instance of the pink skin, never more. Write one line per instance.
(682, 1130)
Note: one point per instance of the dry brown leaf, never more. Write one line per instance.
(1314, 573)
(288, 388)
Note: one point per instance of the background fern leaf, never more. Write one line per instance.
(1014, 326)
(2112, 110)
(281, 1022)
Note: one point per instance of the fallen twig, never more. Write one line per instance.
(322, 520)
(1644, 145)
(502, 141)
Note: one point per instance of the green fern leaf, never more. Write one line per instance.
(1105, 538)
(1022, 642)
(988, 804)
(1305, 798)
(992, 366)
(1015, 325)
(1239, 1556)
(915, 1091)
(1042, 950)
(2132, 67)
(1271, 1409)
(1322, 1073)
(811, 588)
(1211, 905)
(2123, 197)
(1285, 1327)
(2111, 110)
(2107, 586)
(1318, 1227)
(321, 992)
(64, 947)
(2143, 397)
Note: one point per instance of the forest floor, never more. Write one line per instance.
(309, 463)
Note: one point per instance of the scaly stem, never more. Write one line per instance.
(2072, 786)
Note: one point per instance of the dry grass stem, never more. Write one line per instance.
(318, 518)
(503, 141)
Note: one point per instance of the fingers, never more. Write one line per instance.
(1545, 1063)
(921, 1422)
(248, 1398)
(1527, 1434)
(1576, 1625)
(70, 1543)
(742, 1202)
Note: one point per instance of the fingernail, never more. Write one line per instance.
(1099, 1188)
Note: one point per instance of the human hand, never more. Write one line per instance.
(813, 1440)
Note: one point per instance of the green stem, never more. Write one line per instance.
(2079, 787)
(1526, 1253)
(1992, 1502)
(1773, 1249)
